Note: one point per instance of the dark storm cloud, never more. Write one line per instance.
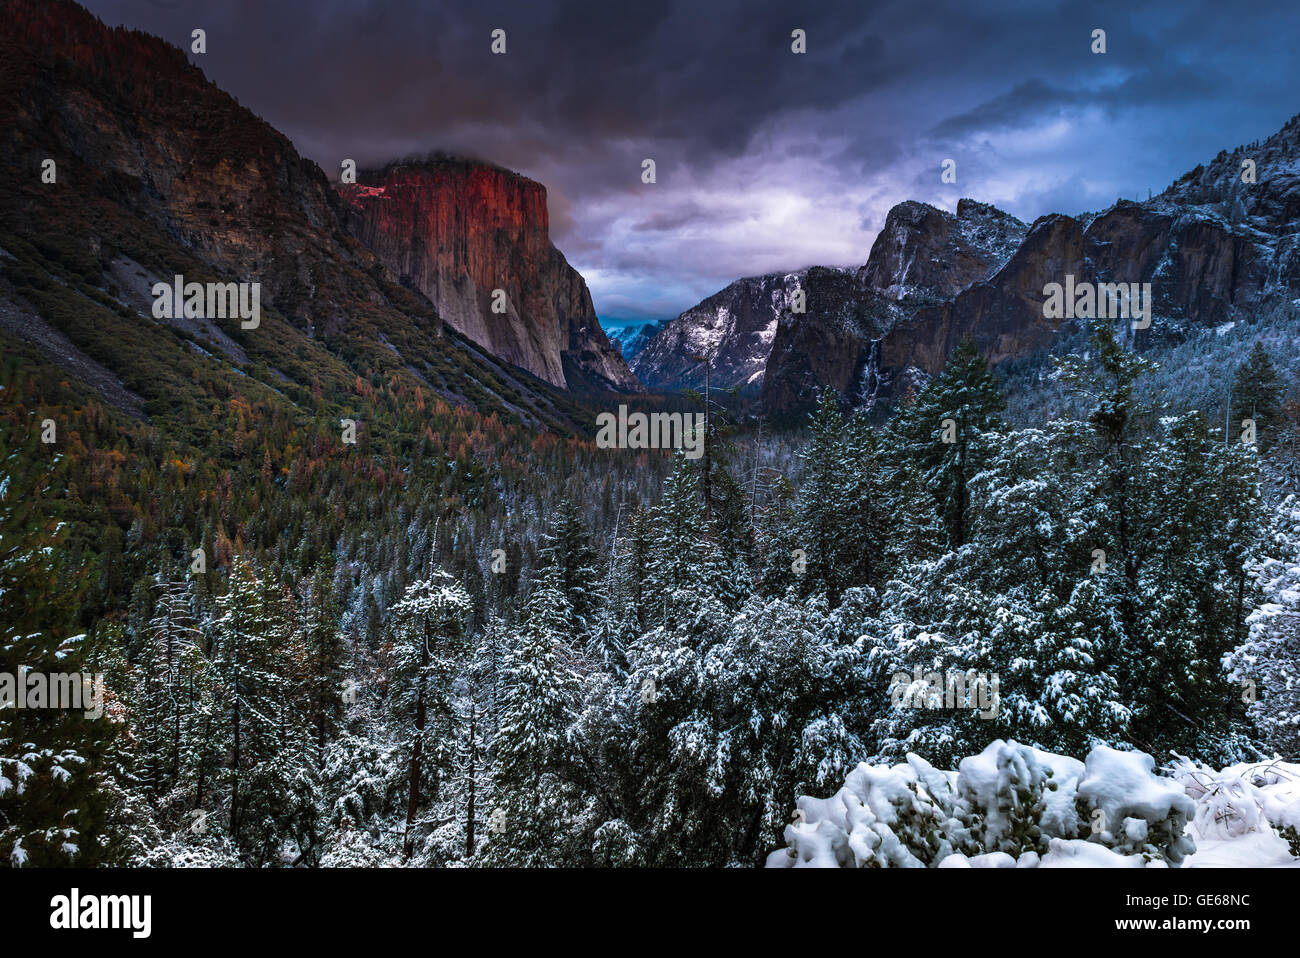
(765, 160)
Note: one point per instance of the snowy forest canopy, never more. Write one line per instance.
(537, 654)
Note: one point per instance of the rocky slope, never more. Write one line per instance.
(1202, 266)
(735, 326)
(458, 230)
(922, 258)
(924, 252)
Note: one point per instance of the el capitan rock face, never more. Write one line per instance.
(457, 230)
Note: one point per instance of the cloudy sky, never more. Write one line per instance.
(766, 159)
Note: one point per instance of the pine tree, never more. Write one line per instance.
(429, 647)
(1266, 666)
(540, 698)
(1257, 393)
(723, 718)
(246, 634)
(1108, 506)
(777, 538)
(866, 520)
(160, 685)
(731, 528)
(325, 655)
(821, 509)
(939, 436)
(839, 517)
(683, 559)
(567, 548)
(1198, 529)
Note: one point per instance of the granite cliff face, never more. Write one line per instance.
(924, 251)
(921, 258)
(1201, 268)
(1210, 245)
(458, 231)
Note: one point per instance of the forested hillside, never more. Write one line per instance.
(640, 675)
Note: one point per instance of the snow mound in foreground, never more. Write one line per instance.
(1014, 806)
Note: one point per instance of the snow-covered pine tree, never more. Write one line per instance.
(566, 547)
(326, 655)
(1167, 514)
(246, 634)
(682, 557)
(866, 521)
(633, 568)
(939, 436)
(532, 818)
(1257, 393)
(728, 715)
(1266, 667)
(820, 507)
(429, 649)
(204, 730)
(1198, 525)
(159, 698)
(777, 537)
(731, 528)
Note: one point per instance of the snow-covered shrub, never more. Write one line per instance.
(445, 844)
(1140, 813)
(1259, 797)
(879, 819)
(1010, 805)
(614, 844)
(1006, 787)
(350, 847)
(359, 779)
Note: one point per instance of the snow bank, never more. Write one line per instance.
(1013, 806)
(1246, 814)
